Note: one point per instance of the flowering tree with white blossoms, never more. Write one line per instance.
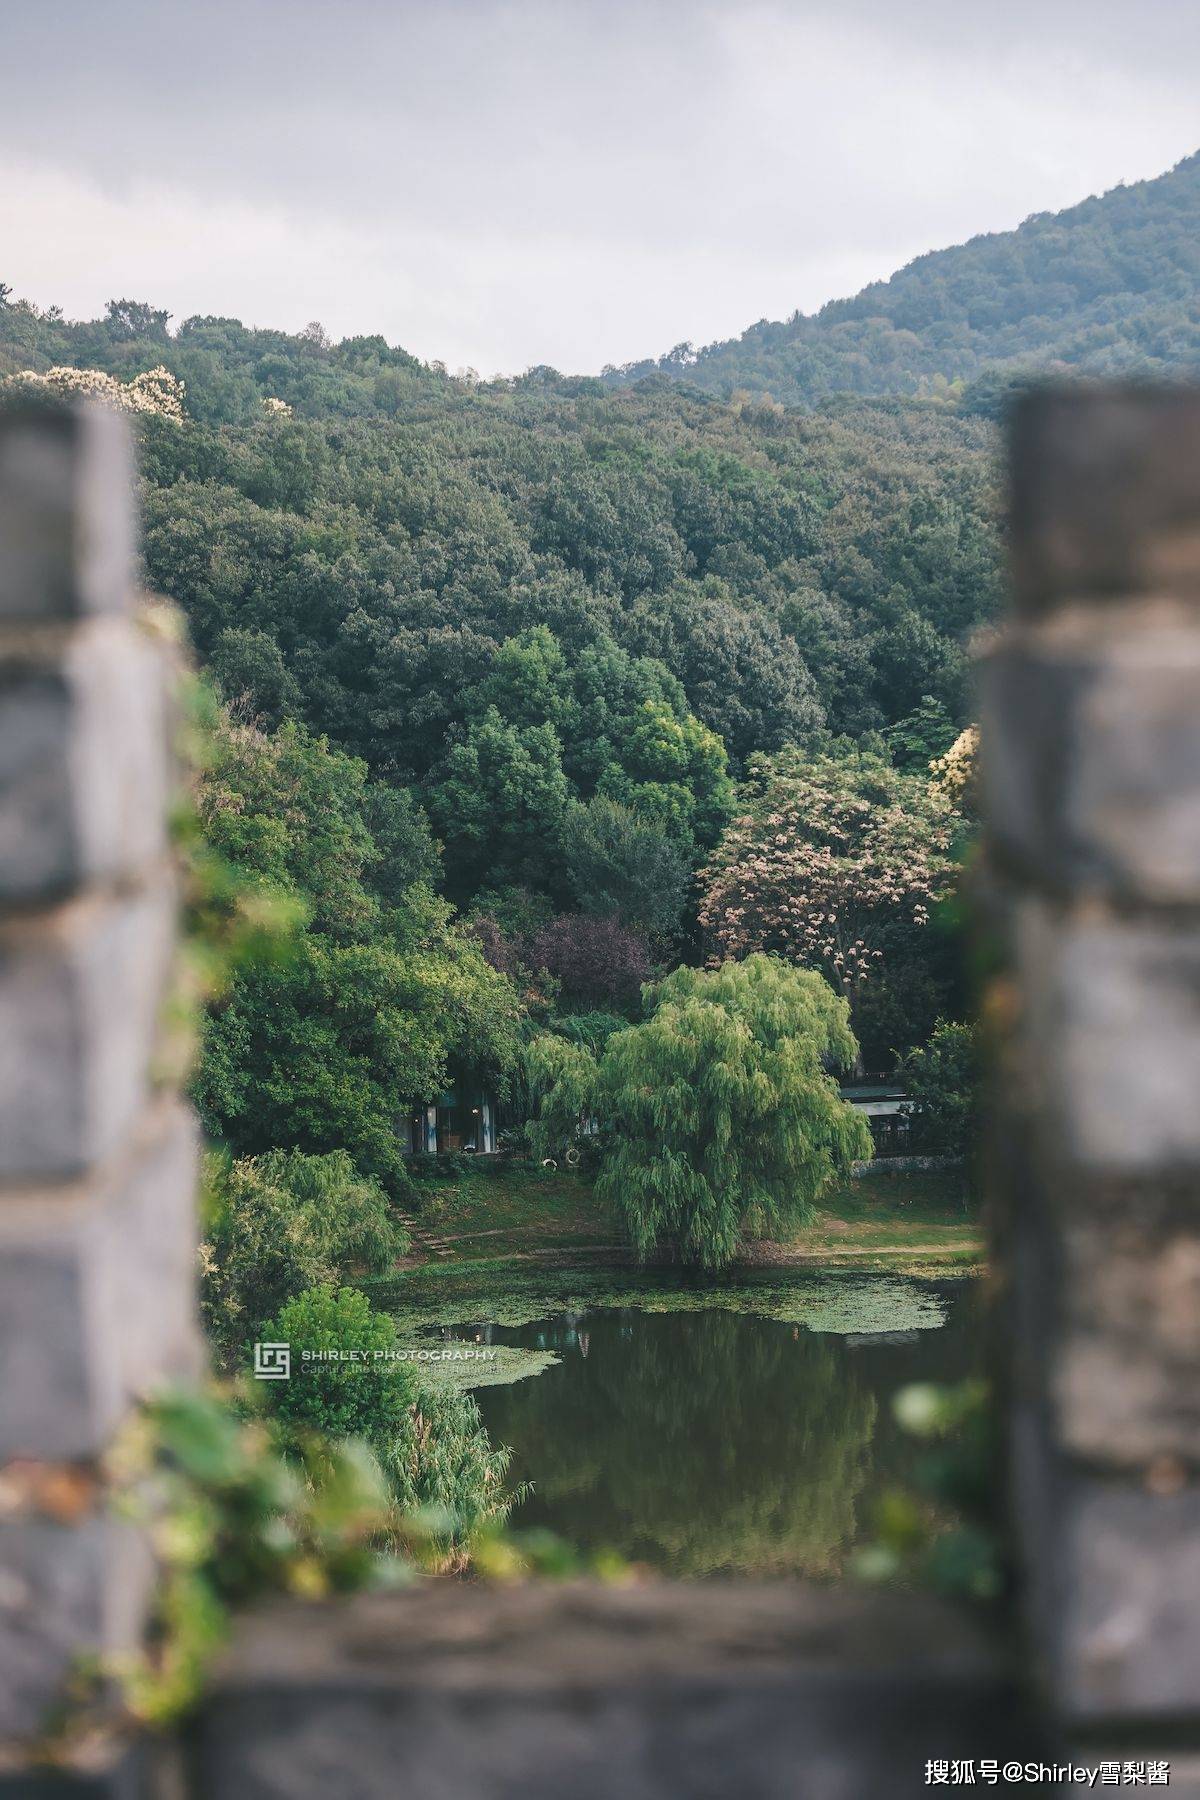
(154, 391)
(956, 775)
(827, 858)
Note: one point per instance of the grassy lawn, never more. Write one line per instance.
(915, 1221)
(918, 1220)
(502, 1209)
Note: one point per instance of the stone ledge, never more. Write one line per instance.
(450, 1634)
(145, 1769)
(711, 1689)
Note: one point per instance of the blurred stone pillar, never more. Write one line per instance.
(97, 1161)
(1090, 708)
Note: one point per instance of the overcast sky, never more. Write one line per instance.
(503, 182)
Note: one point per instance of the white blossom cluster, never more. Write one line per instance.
(955, 774)
(155, 391)
(278, 409)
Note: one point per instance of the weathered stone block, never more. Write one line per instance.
(65, 1591)
(66, 513)
(1091, 763)
(85, 764)
(1125, 1374)
(1105, 494)
(97, 1295)
(81, 990)
(1106, 1305)
(1115, 1569)
(152, 1257)
(1110, 1037)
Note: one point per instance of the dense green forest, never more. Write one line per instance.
(555, 623)
(533, 690)
(789, 571)
(499, 664)
(1111, 287)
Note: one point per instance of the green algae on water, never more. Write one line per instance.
(845, 1305)
(465, 1364)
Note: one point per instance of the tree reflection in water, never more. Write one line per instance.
(704, 1442)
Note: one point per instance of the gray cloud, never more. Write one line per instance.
(515, 181)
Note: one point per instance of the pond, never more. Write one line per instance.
(740, 1427)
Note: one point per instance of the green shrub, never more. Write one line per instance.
(236, 1508)
(445, 1165)
(943, 1079)
(284, 1222)
(368, 1397)
(432, 1445)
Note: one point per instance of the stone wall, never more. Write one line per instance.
(1090, 704)
(97, 1161)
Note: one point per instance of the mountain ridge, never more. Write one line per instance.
(1110, 286)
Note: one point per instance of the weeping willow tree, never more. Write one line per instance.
(720, 1115)
(562, 1080)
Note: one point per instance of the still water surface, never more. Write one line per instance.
(716, 1438)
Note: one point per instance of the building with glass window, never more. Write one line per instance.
(463, 1119)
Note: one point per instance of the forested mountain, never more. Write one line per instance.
(354, 536)
(770, 575)
(555, 622)
(597, 674)
(1111, 286)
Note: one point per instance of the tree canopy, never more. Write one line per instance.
(720, 1113)
(502, 662)
(381, 993)
(835, 863)
(283, 1222)
(717, 1115)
